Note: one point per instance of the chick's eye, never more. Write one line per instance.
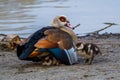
(62, 19)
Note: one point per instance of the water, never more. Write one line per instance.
(23, 17)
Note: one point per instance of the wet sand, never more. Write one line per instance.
(105, 67)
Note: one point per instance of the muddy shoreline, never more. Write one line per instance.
(105, 67)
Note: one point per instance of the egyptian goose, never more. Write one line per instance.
(63, 23)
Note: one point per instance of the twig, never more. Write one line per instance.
(3, 35)
(76, 26)
(97, 31)
(6, 35)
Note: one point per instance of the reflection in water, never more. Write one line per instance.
(13, 17)
(23, 17)
(19, 15)
(12, 9)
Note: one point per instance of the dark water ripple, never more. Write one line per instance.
(23, 17)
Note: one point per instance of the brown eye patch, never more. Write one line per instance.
(62, 19)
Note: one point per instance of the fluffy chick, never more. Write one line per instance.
(88, 51)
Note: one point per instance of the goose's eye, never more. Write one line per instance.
(62, 19)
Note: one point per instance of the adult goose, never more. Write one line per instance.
(31, 49)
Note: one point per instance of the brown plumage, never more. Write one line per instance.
(62, 38)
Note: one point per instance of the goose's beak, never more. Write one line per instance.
(68, 25)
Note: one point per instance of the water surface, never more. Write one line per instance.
(23, 17)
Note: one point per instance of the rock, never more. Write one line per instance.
(9, 42)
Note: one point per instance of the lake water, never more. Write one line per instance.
(23, 17)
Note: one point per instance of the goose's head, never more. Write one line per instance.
(61, 21)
